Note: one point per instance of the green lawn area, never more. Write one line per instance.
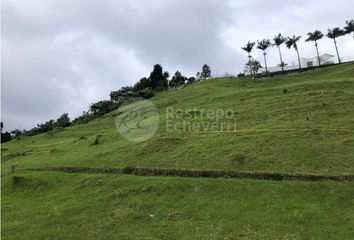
(50, 205)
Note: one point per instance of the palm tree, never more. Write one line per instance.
(264, 45)
(334, 34)
(279, 40)
(248, 48)
(292, 42)
(350, 27)
(314, 37)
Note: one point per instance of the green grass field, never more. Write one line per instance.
(71, 206)
(308, 130)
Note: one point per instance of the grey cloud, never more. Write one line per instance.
(60, 56)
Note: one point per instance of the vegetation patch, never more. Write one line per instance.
(92, 182)
(167, 103)
(28, 183)
(54, 151)
(97, 140)
(15, 155)
(199, 173)
(162, 143)
(239, 159)
(80, 139)
(349, 142)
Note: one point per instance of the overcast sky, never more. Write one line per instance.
(61, 55)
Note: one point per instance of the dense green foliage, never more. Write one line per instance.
(63, 121)
(349, 28)
(177, 80)
(5, 136)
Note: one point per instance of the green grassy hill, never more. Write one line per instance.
(299, 124)
(307, 130)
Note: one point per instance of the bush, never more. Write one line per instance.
(142, 84)
(63, 121)
(41, 128)
(191, 80)
(5, 137)
(97, 140)
(103, 107)
(145, 93)
(177, 80)
(240, 75)
(84, 118)
(123, 93)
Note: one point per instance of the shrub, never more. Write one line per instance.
(97, 139)
(145, 93)
(239, 159)
(84, 118)
(103, 107)
(191, 80)
(63, 121)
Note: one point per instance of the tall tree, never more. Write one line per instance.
(264, 45)
(100, 108)
(6, 136)
(158, 78)
(63, 121)
(206, 72)
(16, 133)
(142, 84)
(166, 75)
(292, 42)
(350, 27)
(191, 80)
(121, 94)
(314, 37)
(278, 41)
(248, 48)
(177, 80)
(198, 75)
(334, 34)
(252, 66)
(44, 127)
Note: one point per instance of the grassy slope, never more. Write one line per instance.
(81, 206)
(72, 206)
(325, 97)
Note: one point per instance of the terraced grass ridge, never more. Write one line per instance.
(286, 126)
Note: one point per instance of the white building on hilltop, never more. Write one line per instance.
(305, 63)
(313, 62)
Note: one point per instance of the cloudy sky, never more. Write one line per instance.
(61, 55)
